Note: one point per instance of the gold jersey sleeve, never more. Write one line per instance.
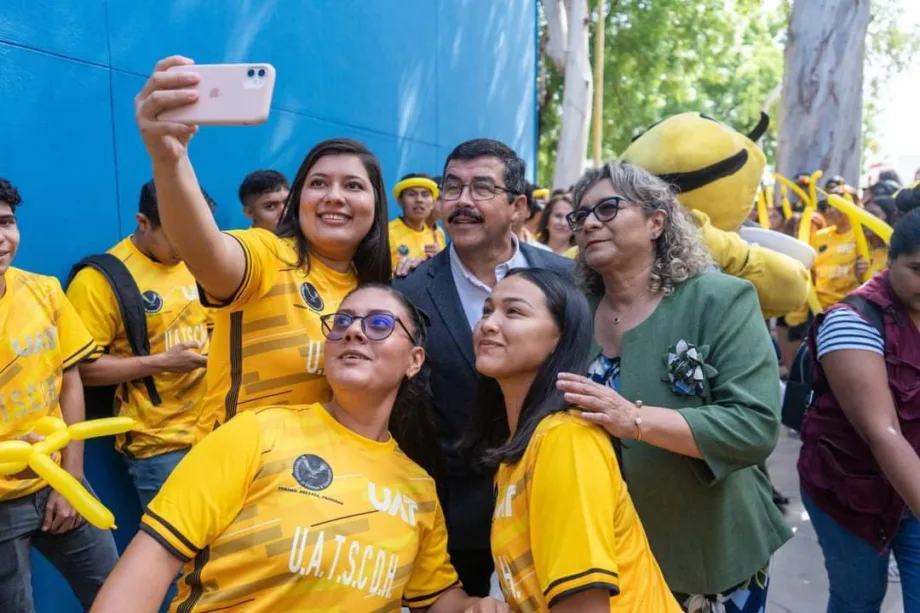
(173, 315)
(432, 574)
(564, 523)
(42, 337)
(267, 341)
(284, 509)
(190, 512)
(265, 256)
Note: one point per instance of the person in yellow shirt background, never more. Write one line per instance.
(835, 273)
(565, 534)
(176, 325)
(43, 342)
(412, 238)
(307, 507)
(263, 194)
(268, 290)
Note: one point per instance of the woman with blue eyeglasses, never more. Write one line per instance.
(684, 373)
(309, 507)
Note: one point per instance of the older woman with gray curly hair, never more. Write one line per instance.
(684, 374)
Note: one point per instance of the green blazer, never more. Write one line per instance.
(711, 523)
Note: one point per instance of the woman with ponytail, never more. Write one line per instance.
(310, 507)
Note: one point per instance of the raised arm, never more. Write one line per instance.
(215, 259)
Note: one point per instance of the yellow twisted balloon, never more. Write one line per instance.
(16, 456)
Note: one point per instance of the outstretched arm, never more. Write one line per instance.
(215, 259)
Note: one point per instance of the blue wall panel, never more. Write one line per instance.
(409, 78)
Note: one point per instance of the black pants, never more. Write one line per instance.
(474, 566)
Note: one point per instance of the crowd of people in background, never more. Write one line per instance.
(339, 412)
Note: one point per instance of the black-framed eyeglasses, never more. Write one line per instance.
(480, 189)
(605, 210)
(376, 325)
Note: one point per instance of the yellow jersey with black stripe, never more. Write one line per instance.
(174, 315)
(41, 336)
(267, 341)
(407, 242)
(285, 509)
(564, 523)
(835, 265)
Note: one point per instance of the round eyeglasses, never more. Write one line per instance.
(605, 210)
(376, 325)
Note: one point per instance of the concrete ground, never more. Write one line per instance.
(799, 582)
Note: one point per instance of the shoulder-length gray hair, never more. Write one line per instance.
(679, 252)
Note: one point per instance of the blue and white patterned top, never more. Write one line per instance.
(605, 371)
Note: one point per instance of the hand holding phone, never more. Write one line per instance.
(167, 109)
(228, 94)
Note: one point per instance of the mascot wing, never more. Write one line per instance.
(781, 281)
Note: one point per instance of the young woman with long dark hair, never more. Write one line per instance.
(269, 290)
(307, 507)
(565, 535)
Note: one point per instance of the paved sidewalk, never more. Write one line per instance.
(799, 581)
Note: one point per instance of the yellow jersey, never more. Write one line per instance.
(835, 265)
(285, 509)
(571, 253)
(41, 336)
(564, 523)
(174, 315)
(406, 242)
(267, 341)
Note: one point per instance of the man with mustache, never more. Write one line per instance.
(482, 196)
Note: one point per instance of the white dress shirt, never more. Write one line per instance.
(472, 291)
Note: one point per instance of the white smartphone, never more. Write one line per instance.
(228, 95)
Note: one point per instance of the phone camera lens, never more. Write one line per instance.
(261, 72)
(251, 72)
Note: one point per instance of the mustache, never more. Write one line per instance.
(464, 214)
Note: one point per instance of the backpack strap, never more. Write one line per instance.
(130, 303)
(868, 309)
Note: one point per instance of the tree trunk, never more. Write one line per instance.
(821, 112)
(576, 98)
(557, 26)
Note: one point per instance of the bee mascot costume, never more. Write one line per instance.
(717, 172)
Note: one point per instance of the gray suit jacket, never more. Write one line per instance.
(453, 383)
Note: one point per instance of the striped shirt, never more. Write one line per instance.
(845, 329)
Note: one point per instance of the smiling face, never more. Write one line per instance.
(9, 236)
(355, 362)
(336, 206)
(480, 222)
(628, 237)
(517, 331)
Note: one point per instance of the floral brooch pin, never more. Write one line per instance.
(687, 368)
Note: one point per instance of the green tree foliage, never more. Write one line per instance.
(720, 57)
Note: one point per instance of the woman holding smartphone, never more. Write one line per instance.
(565, 534)
(310, 507)
(269, 291)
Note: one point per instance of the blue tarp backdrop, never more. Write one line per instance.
(409, 78)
